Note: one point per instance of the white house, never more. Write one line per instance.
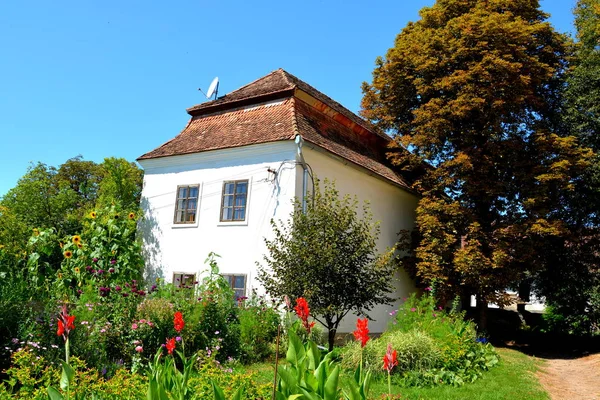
(240, 162)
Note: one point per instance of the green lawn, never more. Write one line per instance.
(513, 378)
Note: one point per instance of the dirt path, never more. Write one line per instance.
(571, 379)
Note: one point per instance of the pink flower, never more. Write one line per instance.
(134, 326)
(413, 309)
(139, 349)
(428, 289)
(434, 315)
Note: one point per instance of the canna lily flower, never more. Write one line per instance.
(178, 322)
(362, 331)
(303, 311)
(66, 323)
(390, 360)
(170, 345)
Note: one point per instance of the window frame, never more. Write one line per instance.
(182, 224)
(244, 221)
(232, 283)
(183, 276)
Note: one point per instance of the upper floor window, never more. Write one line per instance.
(186, 204)
(233, 204)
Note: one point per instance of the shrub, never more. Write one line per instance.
(416, 351)
(434, 346)
(258, 328)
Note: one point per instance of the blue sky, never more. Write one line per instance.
(113, 78)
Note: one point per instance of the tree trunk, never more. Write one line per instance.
(331, 337)
(482, 308)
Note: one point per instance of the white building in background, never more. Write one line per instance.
(238, 164)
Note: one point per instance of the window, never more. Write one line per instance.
(233, 204)
(186, 204)
(182, 279)
(237, 283)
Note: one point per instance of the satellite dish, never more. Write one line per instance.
(213, 88)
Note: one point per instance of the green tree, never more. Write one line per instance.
(327, 255)
(582, 106)
(571, 280)
(42, 200)
(473, 88)
(122, 183)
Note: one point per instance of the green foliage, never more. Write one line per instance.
(30, 375)
(258, 328)
(434, 347)
(327, 255)
(308, 374)
(228, 381)
(473, 88)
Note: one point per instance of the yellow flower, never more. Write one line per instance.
(77, 270)
(68, 254)
(59, 275)
(36, 232)
(116, 216)
(76, 239)
(93, 214)
(60, 244)
(131, 215)
(80, 245)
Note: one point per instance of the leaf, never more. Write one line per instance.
(331, 387)
(238, 393)
(66, 376)
(295, 354)
(54, 394)
(217, 391)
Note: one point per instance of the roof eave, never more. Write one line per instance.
(208, 108)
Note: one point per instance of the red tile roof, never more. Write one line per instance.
(278, 107)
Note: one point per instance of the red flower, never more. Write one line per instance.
(66, 323)
(61, 328)
(390, 359)
(178, 322)
(362, 331)
(70, 320)
(303, 312)
(170, 345)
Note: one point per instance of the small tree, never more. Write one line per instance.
(327, 255)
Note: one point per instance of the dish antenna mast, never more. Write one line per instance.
(213, 88)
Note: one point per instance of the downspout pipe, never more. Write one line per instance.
(299, 142)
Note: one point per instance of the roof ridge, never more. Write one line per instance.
(253, 82)
(295, 131)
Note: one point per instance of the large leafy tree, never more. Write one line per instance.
(582, 106)
(571, 280)
(473, 88)
(328, 256)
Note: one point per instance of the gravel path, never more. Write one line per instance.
(571, 379)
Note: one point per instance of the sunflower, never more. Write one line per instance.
(68, 254)
(131, 215)
(116, 216)
(93, 214)
(76, 270)
(76, 239)
(36, 232)
(80, 245)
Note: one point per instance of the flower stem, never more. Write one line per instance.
(389, 386)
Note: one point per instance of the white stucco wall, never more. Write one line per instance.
(173, 248)
(392, 206)
(183, 248)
